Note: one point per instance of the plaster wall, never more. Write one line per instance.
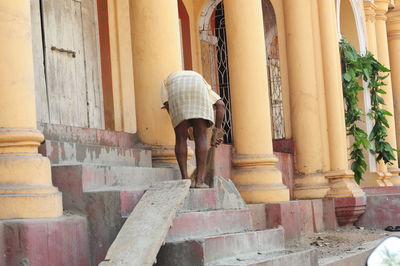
(122, 66)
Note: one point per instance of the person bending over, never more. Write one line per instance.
(190, 102)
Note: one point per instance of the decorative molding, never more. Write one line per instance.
(369, 10)
(243, 161)
(204, 22)
(382, 7)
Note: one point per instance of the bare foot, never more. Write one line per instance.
(193, 183)
(201, 185)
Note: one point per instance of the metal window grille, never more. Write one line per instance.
(277, 117)
(222, 68)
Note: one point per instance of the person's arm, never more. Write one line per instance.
(219, 113)
(164, 97)
(218, 132)
(219, 106)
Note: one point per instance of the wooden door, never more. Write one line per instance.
(70, 92)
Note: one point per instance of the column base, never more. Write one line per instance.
(395, 179)
(26, 190)
(342, 185)
(164, 156)
(311, 186)
(376, 179)
(258, 180)
(384, 179)
(15, 206)
(348, 210)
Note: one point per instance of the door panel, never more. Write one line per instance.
(71, 63)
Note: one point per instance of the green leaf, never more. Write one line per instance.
(347, 77)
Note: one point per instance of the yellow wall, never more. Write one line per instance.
(122, 65)
(347, 24)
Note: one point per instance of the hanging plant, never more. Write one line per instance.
(383, 149)
(356, 67)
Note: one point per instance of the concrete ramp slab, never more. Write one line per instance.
(228, 197)
(144, 232)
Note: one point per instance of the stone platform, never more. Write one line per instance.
(383, 207)
(295, 217)
(56, 241)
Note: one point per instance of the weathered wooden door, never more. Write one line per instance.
(69, 92)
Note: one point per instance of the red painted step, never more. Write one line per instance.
(92, 136)
(192, 225)
(66, 153)
(208, 249)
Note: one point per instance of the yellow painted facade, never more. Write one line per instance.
(26, 190)
(146, 44)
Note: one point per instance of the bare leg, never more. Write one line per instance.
(181, 135)
(201, 147)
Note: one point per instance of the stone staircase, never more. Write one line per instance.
(104, 174)
(206, 234)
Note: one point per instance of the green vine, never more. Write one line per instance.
(356, 67)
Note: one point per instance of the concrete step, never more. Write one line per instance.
(192, 225)
(148, 224)
(107, 208)
(200, 200)
(92, 136)
(301, 257)
(66, 153)
(208, 249)
(196, 200)
(89, 177)
(127, 183)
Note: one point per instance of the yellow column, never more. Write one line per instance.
(381, 177)
(319, 76)
(369, 11)
(255, 173)
(310, 182)
(393, 28)
(156, 53)
(26, 190)
(383, 56)
(122, 65)
(341, 179)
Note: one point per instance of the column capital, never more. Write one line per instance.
(382, 7)
(369, 10)
(393, 22)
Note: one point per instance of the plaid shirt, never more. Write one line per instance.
(189, 96)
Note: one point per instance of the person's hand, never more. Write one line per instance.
(217, 136)
(218, 141)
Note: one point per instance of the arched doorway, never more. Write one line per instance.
(352, 28)
(215, 67)
(274, 71)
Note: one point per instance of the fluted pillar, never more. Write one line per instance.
(310, 181)
(370, 13)
(156, 53)
(383, 57)
(255, 173)
(26, 189)
(393, 29)
(381, 177)
(342, 182)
